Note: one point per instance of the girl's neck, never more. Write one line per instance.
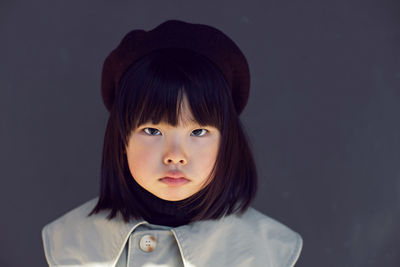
(160, 211)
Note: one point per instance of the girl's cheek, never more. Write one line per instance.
(143, 141)
(145, 148)
(206, 148)
(140, 146)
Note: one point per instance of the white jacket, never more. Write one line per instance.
(253, 239)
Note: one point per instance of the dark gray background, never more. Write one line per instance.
(322, 116)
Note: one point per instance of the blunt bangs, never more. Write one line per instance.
(152, 90)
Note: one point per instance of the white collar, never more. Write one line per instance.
(76, 240)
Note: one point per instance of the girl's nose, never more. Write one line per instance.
(175, 155)
(172, 160)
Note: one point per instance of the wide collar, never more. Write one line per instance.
(75, 239)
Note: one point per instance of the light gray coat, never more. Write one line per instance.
(253, 239)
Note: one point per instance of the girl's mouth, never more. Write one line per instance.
(174, 181)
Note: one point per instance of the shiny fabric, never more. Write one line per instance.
(253, 239)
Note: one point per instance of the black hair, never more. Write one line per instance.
(151, 89)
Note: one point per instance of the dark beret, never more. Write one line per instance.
(203, 39)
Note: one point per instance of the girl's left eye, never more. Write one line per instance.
(150, 131)
(205, 131)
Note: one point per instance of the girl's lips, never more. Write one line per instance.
(175, 174)
(174, 181)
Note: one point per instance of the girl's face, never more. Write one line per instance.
(155, 150)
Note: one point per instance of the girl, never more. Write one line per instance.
(177, 176)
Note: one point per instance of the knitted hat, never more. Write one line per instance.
(203, 39)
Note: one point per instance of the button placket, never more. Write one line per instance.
(165, 249)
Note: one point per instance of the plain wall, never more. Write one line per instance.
(322, 117)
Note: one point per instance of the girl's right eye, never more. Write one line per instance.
(151, 130)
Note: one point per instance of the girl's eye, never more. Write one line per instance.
(151, 130)
(205, 131)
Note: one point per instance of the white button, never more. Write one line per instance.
(148, 243)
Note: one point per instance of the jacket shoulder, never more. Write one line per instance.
(248, 239)
(73, 238)
(54, 234)
(283, 244)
